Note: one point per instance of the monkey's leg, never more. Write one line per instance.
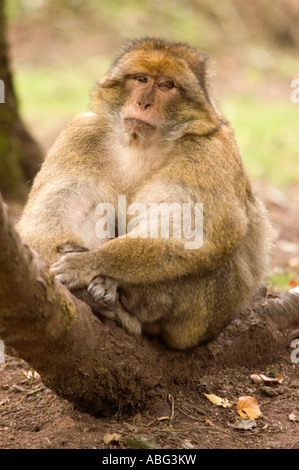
(130, 322)
(104, 290)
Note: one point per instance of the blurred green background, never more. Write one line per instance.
(59, 49)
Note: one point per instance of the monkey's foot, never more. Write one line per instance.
(104, 289)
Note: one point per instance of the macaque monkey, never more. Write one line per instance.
(154, 138)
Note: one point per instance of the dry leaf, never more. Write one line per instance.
(142, 443)
(259, 378)
(31, 374)
(208, 421)
(4, 402)
(243, 424)
(218, 401)
(293, 283)
(113, 437)
(277, 380)
(248, 407)
(256, 378)
(188, 444)
(294, 416)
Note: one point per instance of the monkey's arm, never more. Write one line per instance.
(143, 260)
(61, 205)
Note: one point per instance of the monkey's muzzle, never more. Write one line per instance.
(136, 127)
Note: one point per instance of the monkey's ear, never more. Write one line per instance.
(204, 72)
(107, 82)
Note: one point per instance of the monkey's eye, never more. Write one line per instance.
(141, 78)
(167, 84)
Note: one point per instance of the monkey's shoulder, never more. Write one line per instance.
(83, 127)
(82, 140)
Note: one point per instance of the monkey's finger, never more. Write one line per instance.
(58, 262)
(64, 280)
(64, 249)
(68, 281)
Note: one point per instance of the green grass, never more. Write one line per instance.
(281, 279)
(267, 134)
(266, 131)
(50, 94)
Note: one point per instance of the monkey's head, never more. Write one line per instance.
(156, 90)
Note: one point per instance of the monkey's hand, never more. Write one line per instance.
(72, 271)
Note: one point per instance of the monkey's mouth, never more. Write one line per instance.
(136, 127)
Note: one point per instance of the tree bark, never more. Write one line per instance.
(20, 155)
(98, 366)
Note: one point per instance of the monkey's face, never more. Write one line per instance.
(155, 93)
(143, 112)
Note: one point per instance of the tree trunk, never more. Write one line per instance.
(19, 153)
(98, 366)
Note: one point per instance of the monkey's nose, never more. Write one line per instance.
(143, 106)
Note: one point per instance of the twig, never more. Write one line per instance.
(294, 444)
(227, 432)
(172, 409)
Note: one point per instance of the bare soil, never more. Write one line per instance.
(33, 417)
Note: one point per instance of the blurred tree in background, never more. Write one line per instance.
(19, 153)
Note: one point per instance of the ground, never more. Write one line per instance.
(32, 416)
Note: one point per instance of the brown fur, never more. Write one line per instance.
(154, 145)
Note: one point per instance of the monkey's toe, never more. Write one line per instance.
(103, 289)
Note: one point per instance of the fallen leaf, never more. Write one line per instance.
(142, 443)
(248, 407)
(277, 380)
(113, 437)
(218, 401)
(256, 378)
(31, 374)
(244, 424)
(293, 283)
(260, 378)
(4, 402)
(162, 418)
(208, 421)
(188, 444)
(294, 416)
